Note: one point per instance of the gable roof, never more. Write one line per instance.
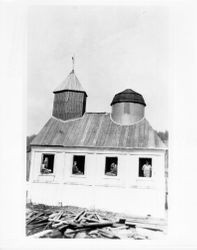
(97, 130)
(70, 83)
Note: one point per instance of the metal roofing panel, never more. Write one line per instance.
(97, 130)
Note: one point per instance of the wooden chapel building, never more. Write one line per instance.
(113, 161)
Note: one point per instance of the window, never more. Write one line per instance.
(127, 108)
(111, 166)
(145, 167)
(78, 165)
(47, 163)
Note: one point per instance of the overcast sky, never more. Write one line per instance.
(115, 48)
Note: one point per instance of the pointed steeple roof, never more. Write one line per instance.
(71, 83)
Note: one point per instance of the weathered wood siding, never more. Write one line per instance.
(28, 164)
(69, 104)
(98, 130)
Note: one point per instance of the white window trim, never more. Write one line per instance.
(49, 174)
(147, 179)
(115, 177)
(78, 175)
(142, 178)
(105, 176)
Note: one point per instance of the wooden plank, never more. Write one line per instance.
(96, 225)
(122, 136)
(130, 136)
(97, 135)
(141, 134)
(39, 139)
(97, 130)
(149, 226)
(146, 220)
(50, 131)
(82, 135)
(54, 134)
(92, 130)
(40, 234)
(68, 105)
(35, 217)
(79, 215)
(78, 130)
(68, 128)
(103, 132)
(150, 234)
(112, 137)
(108, 234)
(58, 221)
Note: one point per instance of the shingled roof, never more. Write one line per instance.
(97, 130)
(128, 95)
(71, 83)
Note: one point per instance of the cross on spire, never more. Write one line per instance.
(73, 61)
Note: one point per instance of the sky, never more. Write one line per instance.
(115, 48)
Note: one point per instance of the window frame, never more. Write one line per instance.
(42, 158)
(78, 175)
(111, 176)
(150, 159)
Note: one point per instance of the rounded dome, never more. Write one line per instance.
(128, 95)
(128, 107)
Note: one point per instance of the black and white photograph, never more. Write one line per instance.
(98, 121)
(98, 125)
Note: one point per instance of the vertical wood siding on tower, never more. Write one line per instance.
(69, 105)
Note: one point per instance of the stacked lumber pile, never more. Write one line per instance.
(47, 223)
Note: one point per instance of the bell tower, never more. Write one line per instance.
(69, 98)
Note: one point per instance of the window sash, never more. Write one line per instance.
(47, 163)
(145, 167)
(111, 166)
(78, 168)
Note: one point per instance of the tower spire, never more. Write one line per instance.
(73, 62)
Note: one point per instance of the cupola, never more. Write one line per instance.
(69, 98)
(127, 107)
